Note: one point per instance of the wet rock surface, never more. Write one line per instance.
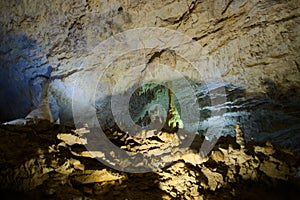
(48, 161)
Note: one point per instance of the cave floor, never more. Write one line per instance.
(49, 161)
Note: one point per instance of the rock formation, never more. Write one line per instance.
(62, 168)
(173, 117)
(234, 69)
(252, 43)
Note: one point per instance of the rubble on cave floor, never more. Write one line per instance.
(48, 161)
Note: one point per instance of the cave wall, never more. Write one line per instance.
(252, 43)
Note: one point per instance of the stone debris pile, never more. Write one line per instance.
(53, 163)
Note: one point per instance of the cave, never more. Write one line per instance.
(187, 99)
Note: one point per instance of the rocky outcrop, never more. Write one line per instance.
(244, 65)
(51, 161)
(252, 43)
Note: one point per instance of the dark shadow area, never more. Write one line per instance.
(250, 190)
(27, 151)
(20, 73)
(273, 116)
(19, 145)
(276, 116)
(15, 102)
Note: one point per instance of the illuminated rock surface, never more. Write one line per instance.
(254, 46)
(47, 168)
(249, 50)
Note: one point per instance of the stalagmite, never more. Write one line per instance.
(240, 140)
(42, 109)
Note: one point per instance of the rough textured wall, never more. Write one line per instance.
(254, 44)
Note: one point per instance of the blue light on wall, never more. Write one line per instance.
(19, 64)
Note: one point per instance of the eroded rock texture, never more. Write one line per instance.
(250, 46)
(244, 70)
(47, 161)
(253, 44)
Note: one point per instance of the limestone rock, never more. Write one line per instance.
(90, 154)
(57, 170)
(170, 138)
(82, 131)
(276, 169)
(193, 158)
(240, 140)
(253, 45)
(70, 139)
(215, 180)
(267, 149)
(97, 176)
(178, 182)
(218, 156)
(77, 164)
